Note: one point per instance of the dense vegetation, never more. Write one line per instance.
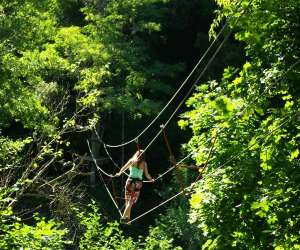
(67, 67)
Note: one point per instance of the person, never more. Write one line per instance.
(138, 167)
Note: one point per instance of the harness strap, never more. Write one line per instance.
(208, 157)
(172, 158)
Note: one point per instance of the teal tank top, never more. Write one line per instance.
(136, 173)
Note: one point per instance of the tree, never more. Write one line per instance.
(57, 78)
(247, 198)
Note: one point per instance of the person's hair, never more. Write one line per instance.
(138, 156)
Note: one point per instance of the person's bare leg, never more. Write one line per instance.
(128, 204)
(127, 211)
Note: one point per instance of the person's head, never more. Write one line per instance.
(139, 156)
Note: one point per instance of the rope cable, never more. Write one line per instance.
(190, 153)
(190, 90)
(220, 130)
(107, 189)
(101, 170)
(183, 191)
(107, 153)
(110, 195)
(105, 148)
(221, 166)
(174, 95)
(95, 161)
(181, 86)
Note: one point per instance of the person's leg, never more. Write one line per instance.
(134, 195)
(130, 186)
(127, 211)
(128, 189)
(127, 198)
(137, 191)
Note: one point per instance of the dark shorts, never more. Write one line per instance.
(132, 190)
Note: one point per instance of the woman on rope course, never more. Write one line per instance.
(137, 166)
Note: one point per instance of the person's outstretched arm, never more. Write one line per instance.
(125, 167)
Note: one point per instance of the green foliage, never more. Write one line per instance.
(14, 234)
(123, 28)
(59, 75)
(56, 79)
(96, 235)
(173, 224)
(56, 76)
(247, 199)
(158, 240)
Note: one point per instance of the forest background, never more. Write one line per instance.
(70, 68)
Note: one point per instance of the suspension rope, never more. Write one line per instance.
(174, 95)
(95, 161)
(105, 148)
(186, 96)
(103, 181)
(197, 80)
(198, 180)
(108, 154)
(181, 86)
(221, 166)
(113, 190)
(110, 195)
(173, 197)
(100, 169)
(219, 130)
(232, 158)
(238, 114)
(174, 166)
(189, 92)
(111, 176)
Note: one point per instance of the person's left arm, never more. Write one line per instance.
(125, 167)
